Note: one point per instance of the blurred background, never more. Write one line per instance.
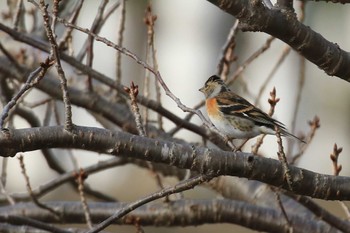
(189, 36)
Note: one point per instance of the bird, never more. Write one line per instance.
(236, 117)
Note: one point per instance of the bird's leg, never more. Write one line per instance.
(228, 141)
(239, 148)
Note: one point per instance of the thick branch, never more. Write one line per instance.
(186, 156)
(254, 16)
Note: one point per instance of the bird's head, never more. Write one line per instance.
(213, 86)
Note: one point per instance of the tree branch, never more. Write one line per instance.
(155, 106)
(176, 213)
(196, 158)
(254, 16)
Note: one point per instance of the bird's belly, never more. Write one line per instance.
(235, 127)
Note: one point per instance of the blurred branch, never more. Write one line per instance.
(45, 188)
(30, 191)
(80, 177)
(178, 213)
(250, 59)
(180, 187)
(227, 55)
(277, 65)
(273, 100)
(24, 221)
(120, 41)
(314, 126)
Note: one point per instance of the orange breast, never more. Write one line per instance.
(212, 107)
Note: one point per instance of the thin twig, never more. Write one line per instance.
(68, 124)
(336, 171)
(280, 60)
(18, 21)
(95, 27)
(146, 84)
(120, 41)
(110, 11)
(187, 118)
(10, 57)
(272, 101)
(68, 33)
(90, 42)
(4, 171)
(80, 177)
(314, 125)
(158, 92)
(334, 157)
(151, 57)
(30, 191)
(180, 187)
(56, 112)
(280, 203)
(3, 183)
(133, 91)
(283, 159)
(68, 176)
(250, 59)
(48, 113)
(302, 70)
(37, 103)
(227, 55)
(297, 101)
(33, 78)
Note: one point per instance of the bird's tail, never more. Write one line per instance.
(286, 133)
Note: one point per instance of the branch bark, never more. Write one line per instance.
(196, 158)
(284, 25)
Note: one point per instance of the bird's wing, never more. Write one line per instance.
(233, 105)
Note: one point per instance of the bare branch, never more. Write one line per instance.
(254, 16)
(120, 41)
(54, 54)
(32, 80)
(30, 191)
(183, 155)
(79, 178)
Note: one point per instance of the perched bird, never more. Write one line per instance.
(235, 116)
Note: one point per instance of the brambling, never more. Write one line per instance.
(235, 116)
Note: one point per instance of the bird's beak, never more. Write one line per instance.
(201, 89)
